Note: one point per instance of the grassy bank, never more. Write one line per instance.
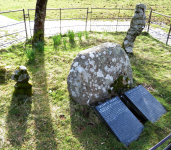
(51, 120)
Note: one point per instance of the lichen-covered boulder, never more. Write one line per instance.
(22, 87)
(136, 27)
(94, 70)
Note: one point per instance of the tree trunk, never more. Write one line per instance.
(39, 20)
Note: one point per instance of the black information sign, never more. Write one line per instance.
(145, 103)
(120, 120)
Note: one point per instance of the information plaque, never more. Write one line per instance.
(120, 120)
(145, 103)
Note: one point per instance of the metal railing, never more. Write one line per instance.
(12, 31)
(120, 21)
(61, 24)
(114, 19)
(161, 26)
(161, 142)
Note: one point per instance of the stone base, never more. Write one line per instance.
(2, 74)
(23, 89)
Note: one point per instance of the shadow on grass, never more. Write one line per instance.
(44, 132)
(34, 111)
(17, 120)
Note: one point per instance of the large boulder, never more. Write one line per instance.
(136, 27)
(94, 70)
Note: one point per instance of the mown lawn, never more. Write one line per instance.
(51, 120)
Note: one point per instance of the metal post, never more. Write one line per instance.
(29, 23)
(60, 20)
(117, 20)
(90, 19)
(86, 20)
(168, 35)
(25, 23)
(149, 20)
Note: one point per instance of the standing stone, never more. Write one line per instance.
(136, 27)
(94, 70)
(22, 87)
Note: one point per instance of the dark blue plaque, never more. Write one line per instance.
(145, 103)
(120, 120)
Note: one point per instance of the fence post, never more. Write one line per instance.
(29, 23)
(117, 20)
(168, 35)
(60, 20)
(149, 20)
(86, 20)
(25, 23)
(90, 18)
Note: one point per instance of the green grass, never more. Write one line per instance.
(56, 40)
(71, 36)
(79, 34)
(51, 120)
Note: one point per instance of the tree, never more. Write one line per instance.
(39, 20)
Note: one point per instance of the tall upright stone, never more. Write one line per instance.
(136, 27)
(94, 70)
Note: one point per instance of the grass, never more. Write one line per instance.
(30, 54)
(80, 36)
(64, 43)
(56, 40)
(71, 36)
(51, 120)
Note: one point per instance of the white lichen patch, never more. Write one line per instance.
(82, 56)
(75, 64)
(100, 73)
(108, 77)
(91, 55)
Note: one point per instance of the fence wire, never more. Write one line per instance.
(160, 26)
(13, 30)
(61, 23)
(58, 21)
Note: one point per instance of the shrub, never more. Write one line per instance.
(86, 34)
(80, 35)
(30, 53)
(39, 46)
(64, 42)
(56, 40)
(71, 36)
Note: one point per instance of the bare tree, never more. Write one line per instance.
(39, 20)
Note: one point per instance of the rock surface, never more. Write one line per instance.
(136, 27)
(94, 70)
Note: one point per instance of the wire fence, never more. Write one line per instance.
(12, 31)
(160, 26)
(58, 21)
(61, 23)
